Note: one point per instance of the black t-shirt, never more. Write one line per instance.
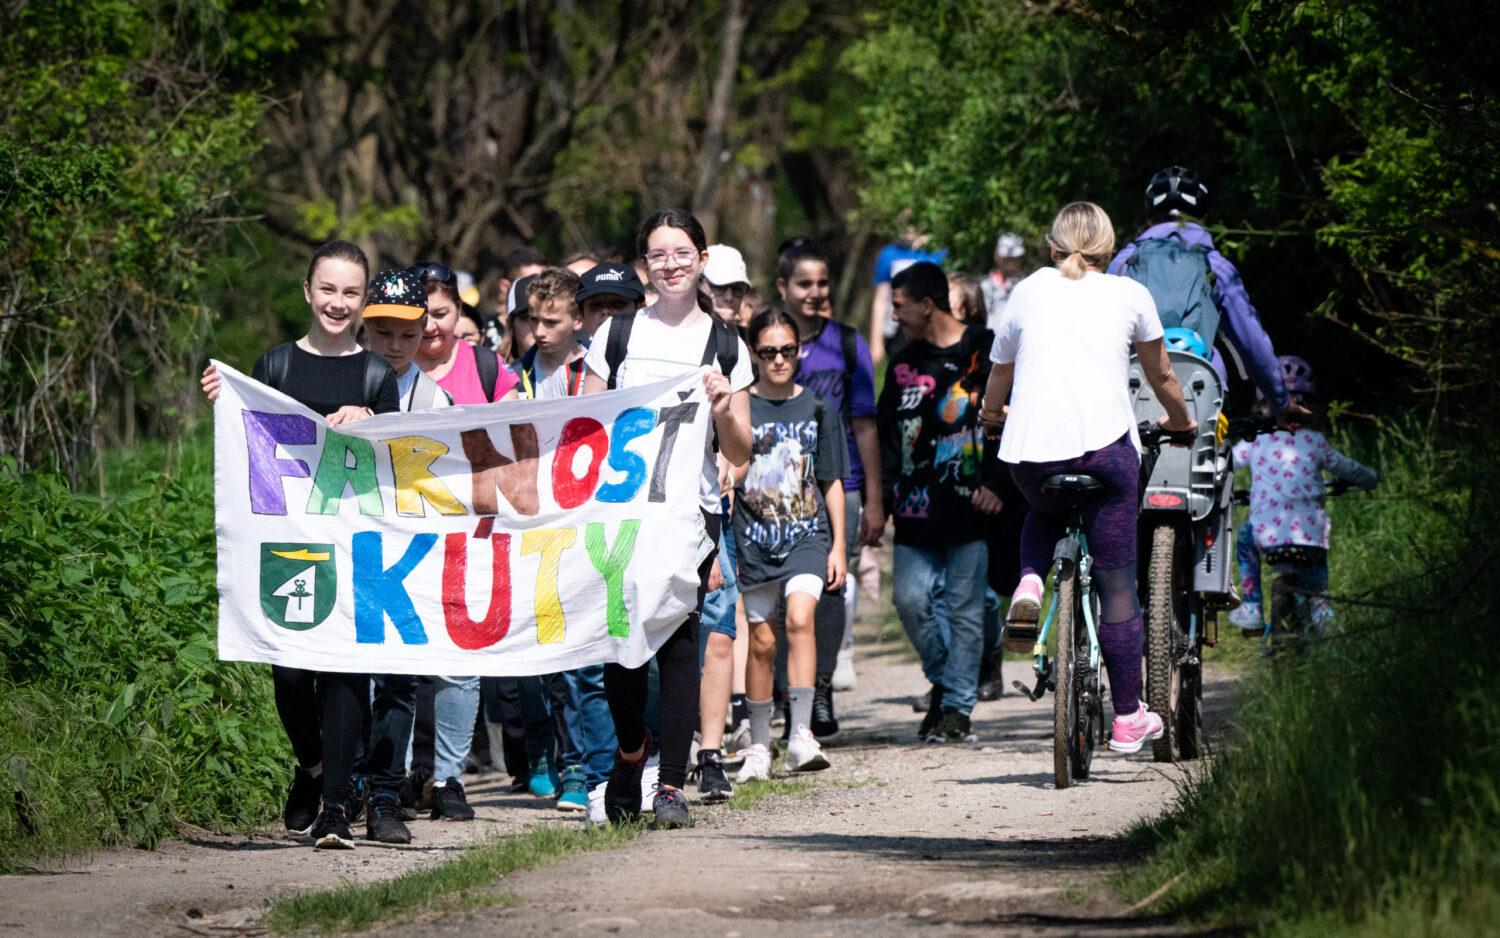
(324, 383)
(930, 440)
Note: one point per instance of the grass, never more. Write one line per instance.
(1361, 795)
(465, 883)
(748, 795)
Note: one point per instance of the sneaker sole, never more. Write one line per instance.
(1128, 748)
(333, 842)
(715, 797)
(1024, 612)
(571, 806)
(817, 763)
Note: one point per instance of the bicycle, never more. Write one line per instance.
(1073, 673)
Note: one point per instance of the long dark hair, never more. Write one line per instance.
(766, 319)
(682, 221)
(794, 251)
(338, 250)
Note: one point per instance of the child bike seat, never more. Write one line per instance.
(1071, 485)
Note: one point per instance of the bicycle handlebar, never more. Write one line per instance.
(1154, 435)
(1248, 428)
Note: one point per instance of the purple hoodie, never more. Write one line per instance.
(1239, 324)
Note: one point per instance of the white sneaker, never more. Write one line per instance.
(596, 816)
(843, 671)
(803, 752)
(757, 764)
(1247, 618)
(649, 777)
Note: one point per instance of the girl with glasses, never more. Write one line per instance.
(673, 336)
(789, 533)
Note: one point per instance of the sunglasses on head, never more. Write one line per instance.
(767, 353)
(441, 273)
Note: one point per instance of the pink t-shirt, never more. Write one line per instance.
(462, 380)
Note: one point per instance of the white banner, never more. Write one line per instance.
(494, 539)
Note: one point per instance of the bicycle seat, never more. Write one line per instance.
(1071, 485)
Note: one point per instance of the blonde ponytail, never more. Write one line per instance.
(1082, 231)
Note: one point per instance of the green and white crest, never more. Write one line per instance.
(298, 583)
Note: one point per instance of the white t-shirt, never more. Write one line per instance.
(414, 385)
(657, 352)
(1070, 341)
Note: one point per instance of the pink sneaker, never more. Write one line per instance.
(1130, 733)
(1026, 601)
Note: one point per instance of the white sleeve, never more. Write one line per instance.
(1008, 336)
(597, 359)
(742, 375)
(1145, 323)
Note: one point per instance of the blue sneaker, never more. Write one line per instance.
(543, 782)
(575, 790)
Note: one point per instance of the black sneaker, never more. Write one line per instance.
(383, 823)
(670, 809)
(302, 801)
(952, 728)
(449, 803)
(922, 702)
(991, 682)
(331, 832)
(622, 793)
(934, 713)
(824, 724)
(713, 784)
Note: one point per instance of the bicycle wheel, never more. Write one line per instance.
(1090, 691)
(1066, 711)
(1166, 638)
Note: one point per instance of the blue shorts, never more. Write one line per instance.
(719, 606)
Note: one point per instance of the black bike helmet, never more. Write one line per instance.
(1176, 190)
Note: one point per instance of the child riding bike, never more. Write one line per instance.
(1288, 523)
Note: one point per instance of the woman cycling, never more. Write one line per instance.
(326, 371)
(1062, 357)
(675, 335)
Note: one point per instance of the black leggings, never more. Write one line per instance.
(323, 715)
(677, 662)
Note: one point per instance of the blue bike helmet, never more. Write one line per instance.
(1183, 339)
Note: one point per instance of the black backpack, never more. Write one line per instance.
(279, 364)
(723, 346)
(488, 365)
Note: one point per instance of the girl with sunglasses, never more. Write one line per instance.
(789, 532)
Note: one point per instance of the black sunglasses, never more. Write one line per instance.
(768, 354)
(441, 273)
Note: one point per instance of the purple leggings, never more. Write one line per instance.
(1109, 523)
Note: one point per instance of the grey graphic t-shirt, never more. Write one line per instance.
(780, 520)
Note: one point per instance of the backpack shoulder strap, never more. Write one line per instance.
(375, 369)
(618, 345)
(723, 346)
(278, 366)
(487, 363)
(849, 342)
(424, 393)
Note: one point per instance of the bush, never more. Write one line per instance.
(117, 721)
(1361, 792)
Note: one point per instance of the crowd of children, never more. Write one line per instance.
(806, 465)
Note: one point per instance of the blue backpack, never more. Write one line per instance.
(1180, 281)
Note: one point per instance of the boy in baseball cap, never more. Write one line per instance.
(607, 290)
(395, 318)
(727, 280)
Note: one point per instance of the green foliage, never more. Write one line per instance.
(117, 721)
(1360, 792)
(472, 875)
(122, 145)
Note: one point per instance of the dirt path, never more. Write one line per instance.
(894, 836)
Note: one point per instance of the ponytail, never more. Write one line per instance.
(1083, 233)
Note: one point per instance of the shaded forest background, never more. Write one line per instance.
(165, 166)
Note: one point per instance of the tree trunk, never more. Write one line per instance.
(710, 157)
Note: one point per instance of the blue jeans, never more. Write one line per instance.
(961, 568)
(590, 739)
(719, 606)
(455, 704)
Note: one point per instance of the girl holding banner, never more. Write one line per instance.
(672, 336)
(327, 371)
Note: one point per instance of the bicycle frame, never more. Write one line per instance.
(1073, 543)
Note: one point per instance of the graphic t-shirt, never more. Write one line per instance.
(656, 352)
(462, 380)
(823, 370)
(1286, 485)
(781, 525)
(930, 441)
(324, 383)
(894, 258)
